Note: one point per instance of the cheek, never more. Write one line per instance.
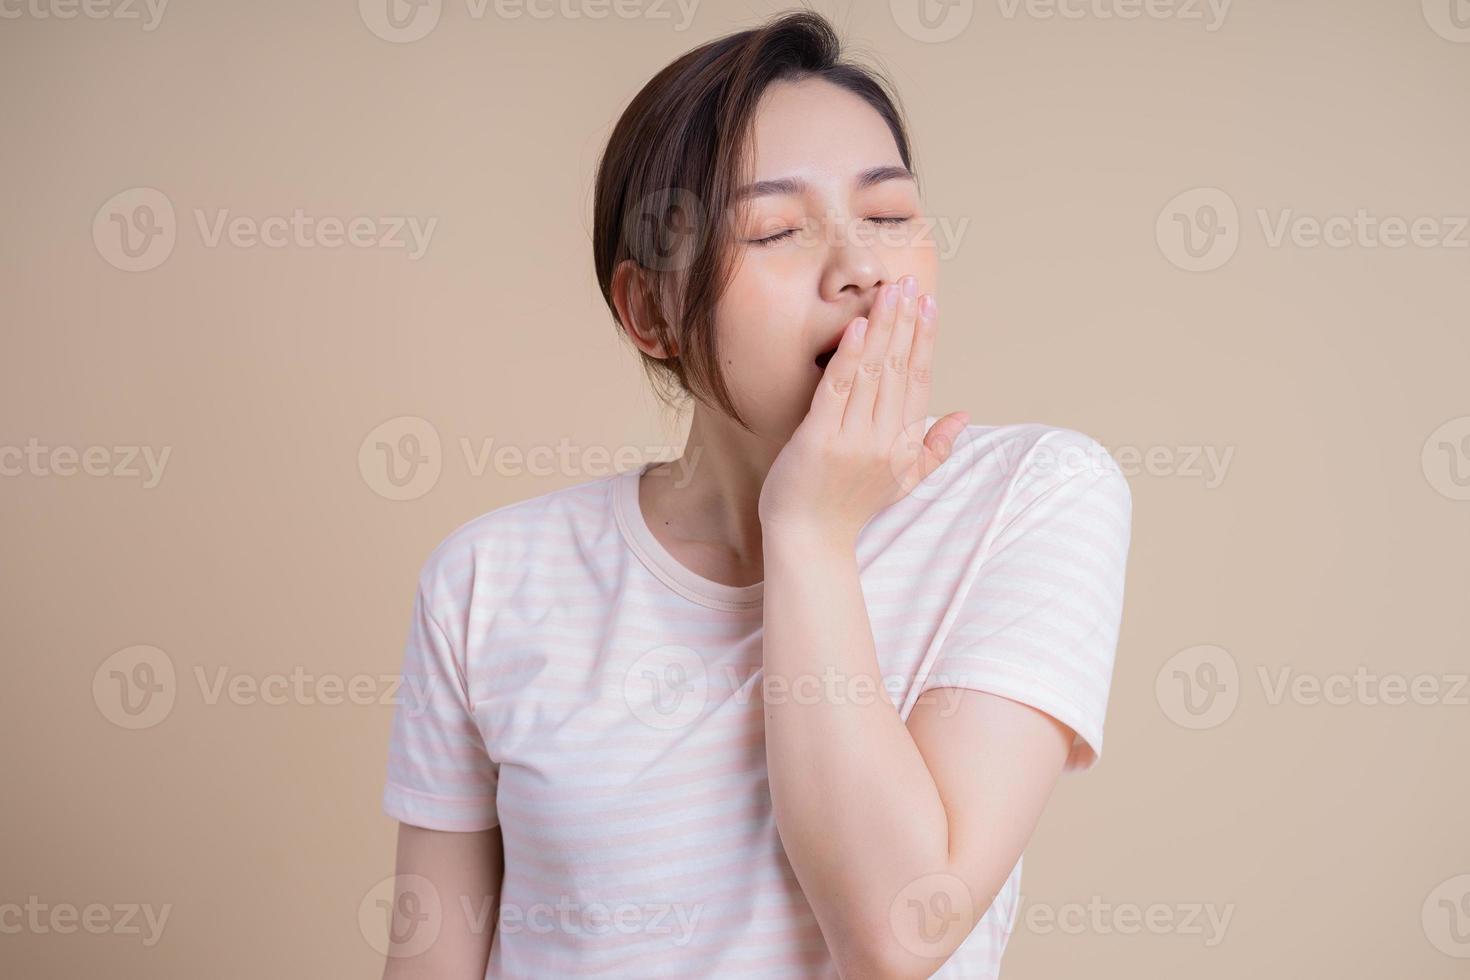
(760, 324)
(922, 257)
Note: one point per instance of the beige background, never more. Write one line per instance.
(1328, 382)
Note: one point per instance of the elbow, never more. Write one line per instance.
(891, 960)
(901, 948)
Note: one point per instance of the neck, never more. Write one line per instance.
(704, 505)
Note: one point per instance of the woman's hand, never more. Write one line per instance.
(862, 446)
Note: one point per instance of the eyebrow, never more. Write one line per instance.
(795, 185)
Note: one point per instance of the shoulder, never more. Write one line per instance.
(1032, 450)
(509, 535)
(1017, 465)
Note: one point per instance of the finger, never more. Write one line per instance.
(859, 412)
(939, 442)
(892, 396)
(829, 401)
(921, 361)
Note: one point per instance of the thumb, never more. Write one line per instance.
(940, 439)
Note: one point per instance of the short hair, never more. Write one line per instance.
(665, 183)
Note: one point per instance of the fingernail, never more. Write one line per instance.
(859, 328)
(890, 295)
(910, 286)
(928, 305)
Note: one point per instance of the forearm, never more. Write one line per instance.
(859, 814)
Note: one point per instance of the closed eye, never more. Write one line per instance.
(782, 236)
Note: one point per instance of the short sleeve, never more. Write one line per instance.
(1038, 620)
(439, 773)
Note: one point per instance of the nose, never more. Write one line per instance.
(855, 271)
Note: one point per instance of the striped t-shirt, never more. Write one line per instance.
(601, 702)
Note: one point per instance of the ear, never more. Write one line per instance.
(632, 296)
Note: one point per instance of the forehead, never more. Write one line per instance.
(818, 132)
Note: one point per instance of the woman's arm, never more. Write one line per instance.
(900, 836)
(465, 870)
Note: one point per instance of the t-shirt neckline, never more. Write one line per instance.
(669, 570)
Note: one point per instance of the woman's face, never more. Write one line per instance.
(850, 227)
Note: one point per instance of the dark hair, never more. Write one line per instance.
(666, 179)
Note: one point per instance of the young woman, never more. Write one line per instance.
(791, 705)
